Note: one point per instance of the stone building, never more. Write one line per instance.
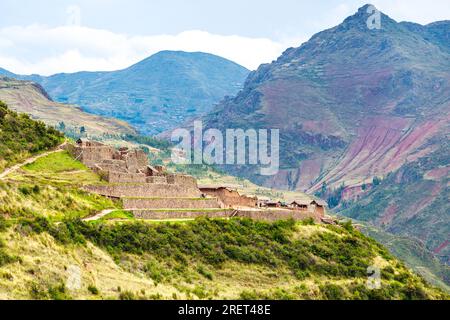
(229, 197)
(115, 166)
(150, 192)
(309, 205)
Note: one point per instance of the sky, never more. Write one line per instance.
(52, 36)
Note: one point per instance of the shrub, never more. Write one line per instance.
(21, 136)
(204, 272)
(58, 293)
(127, 295)
(93, 289)
(332, 292)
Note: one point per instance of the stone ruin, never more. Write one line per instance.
(122, 165)
(150, 192)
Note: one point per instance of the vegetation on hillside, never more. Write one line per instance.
(21, 136)
(42, 239)
(206, 258)
(50, 187)
(399, 204)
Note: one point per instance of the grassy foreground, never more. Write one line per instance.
(201, 259)
(44, 245)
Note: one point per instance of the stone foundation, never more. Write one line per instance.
(144, 190)
(275, 215)
(169, 203)
(167, 215)
(119, 177)
(264, 215)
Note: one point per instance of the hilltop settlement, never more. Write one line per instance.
(150, 192)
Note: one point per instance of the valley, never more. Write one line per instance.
(89, 190)
(364, 124)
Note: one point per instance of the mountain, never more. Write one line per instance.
(29, 97)
(50, 251)
(364, 122)
(153, 95)
(6, 73)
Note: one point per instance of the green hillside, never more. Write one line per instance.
(43, 238)
(21, 137)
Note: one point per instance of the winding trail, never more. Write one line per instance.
(99, 215)
(16, 167)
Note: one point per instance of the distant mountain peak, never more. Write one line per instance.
(365, 16)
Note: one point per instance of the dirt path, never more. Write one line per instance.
(16, 167)
(99, 215)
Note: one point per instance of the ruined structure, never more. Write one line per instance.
(115, 166)
(229, 197)
(309, 205)
(150, 192)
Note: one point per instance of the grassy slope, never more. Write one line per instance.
(405, 248)
(415, 255)
(22, 137)
(193, 259)
(50, 187)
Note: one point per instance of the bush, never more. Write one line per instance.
(93, 289)
(58, 293)
(332, 292)
(21, 136)
(204, 272)
(127, 295)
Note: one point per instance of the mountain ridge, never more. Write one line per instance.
(153, 95)
(353, 106)
(31, 98)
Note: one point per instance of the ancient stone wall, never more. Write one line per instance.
(264, 215)
(156, 179)
(112, 165)
(143, 190)
(120, 177)
(92, 155)
(165, 215)
(182, 180)
(275, 215)
(170, 203)
(231, 198)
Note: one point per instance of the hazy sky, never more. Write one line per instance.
(50, 36)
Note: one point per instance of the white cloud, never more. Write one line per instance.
(418, 11)
(44, 50)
